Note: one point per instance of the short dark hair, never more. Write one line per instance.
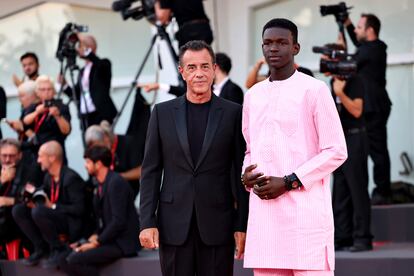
(99, 153)
(29, 55)
(11, 142)
(196, 45)
(372, 21)
(223, 62)
(283, 24)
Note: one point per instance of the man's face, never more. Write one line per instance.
(44, 160)
(197, 70)
(9, 155)
(360, 30)
(45, 91)
(278, 47)
(30, 67)
(90, 167)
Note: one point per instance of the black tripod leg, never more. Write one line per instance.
(134, 82)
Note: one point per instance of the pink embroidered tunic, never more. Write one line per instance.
(292, 126)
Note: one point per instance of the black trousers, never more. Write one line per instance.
(376, 123)
(194, 31)
(196, 258)
(88, 263)
(351, 203)
(41, 225)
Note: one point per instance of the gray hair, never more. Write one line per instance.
(11, 142)
(27, 87)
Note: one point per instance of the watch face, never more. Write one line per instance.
(295, 185)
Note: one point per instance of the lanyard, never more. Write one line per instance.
(113, 150)
(38, 122)
(54, 191)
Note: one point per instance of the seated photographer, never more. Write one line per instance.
(95, 103)
(350, 198)
(127, 151)
(55, 208)
(117, 220)
(50, 118)
(15, 174)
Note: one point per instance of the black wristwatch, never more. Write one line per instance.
(292, 182)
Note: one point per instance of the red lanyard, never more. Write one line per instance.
(54, 191)
(38, 122)
(113, 150)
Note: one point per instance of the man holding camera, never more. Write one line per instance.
(372, 62)
(350, 200)
(94, 84)
(15, 174)
(50, 118)
(55, 210)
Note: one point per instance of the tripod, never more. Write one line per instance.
(161, 33)
(72, 67)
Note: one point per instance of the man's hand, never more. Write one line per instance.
(240, 239)
(339, 86)
(149, 238)
(7, 173)
(93, 239)
(48, 203)
(17, 125)
(54, 111)
(149, 87)
(86, 247)
(272, 188)
(61, 80)
(250, 179)
(16, 80)
(6, 201)
(40, 109)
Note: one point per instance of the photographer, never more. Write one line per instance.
(371, 56)
(49, 119)
(95, 103)
(57, 212)
(15, 174)
(117, 228)
(192, 20)
(350, 198)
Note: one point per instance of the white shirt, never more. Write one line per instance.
(217, 87)
(86, 102)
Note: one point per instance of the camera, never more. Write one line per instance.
(53, 102)
(145, 9)
(30, 194)
(68, 38)
(340, 11)
(340, 63)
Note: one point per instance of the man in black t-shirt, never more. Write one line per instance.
(371, 57)
(192, 20)
(351, 205)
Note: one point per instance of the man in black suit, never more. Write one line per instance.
(95, 103)
(118, 226)
(223, 86)
(59, 212)
(198, 213)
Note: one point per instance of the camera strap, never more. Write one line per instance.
(54, 191)
(38, 123)
(113, 151)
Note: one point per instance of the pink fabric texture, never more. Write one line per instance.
(292, 126)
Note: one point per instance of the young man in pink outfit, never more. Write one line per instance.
(294, 141)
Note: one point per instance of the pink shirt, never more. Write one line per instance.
(292, 126)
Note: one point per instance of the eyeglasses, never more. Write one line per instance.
(8, 155)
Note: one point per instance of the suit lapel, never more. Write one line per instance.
(214, 118)
(181, 126)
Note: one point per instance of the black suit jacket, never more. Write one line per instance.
(99, 86)
(232, 92)
(206, 187)
(116, 211)
(71, 199)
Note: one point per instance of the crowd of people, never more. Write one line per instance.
(221, 174)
